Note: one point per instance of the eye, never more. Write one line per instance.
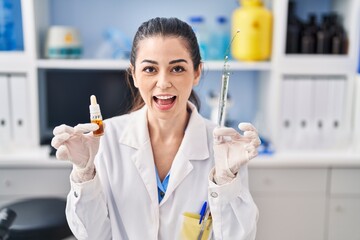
(149, 69)
(178, 69)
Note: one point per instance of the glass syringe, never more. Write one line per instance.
(224, 86)
(223, 92)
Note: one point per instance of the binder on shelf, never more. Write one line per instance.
(303, 105)
(5, 123)
(356, 145)
(337, 132)
(287, 123)
(19, 109)
(321, 111)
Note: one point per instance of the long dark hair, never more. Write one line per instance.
(164, 27)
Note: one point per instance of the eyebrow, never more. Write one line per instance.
(171, 62)
(177, 61)
(149, 61)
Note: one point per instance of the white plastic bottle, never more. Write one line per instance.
(220, 39)
(200, 29)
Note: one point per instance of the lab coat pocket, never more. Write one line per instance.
(190, 229)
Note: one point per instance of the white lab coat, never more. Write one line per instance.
(121, 202)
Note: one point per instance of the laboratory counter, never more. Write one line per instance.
(291, 189)
(40, 157)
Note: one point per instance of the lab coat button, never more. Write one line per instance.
(75, 194)
(214, 194)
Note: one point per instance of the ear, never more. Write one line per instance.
(132, 71)
(197, 75)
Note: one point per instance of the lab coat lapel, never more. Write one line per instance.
(193, 147)
(144, 162)
(136, 135)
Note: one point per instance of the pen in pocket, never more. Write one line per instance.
(203, 224)
(202, 212)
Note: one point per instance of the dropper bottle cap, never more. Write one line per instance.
(94, 106)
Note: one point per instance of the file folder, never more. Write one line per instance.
(5, 123)
(19, 109)
(337, 128)
(303, 112)
(287, 124)
(321, 111)
(356, 145)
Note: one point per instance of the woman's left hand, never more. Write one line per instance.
(232, 150)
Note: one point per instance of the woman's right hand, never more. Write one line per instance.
(78, 145)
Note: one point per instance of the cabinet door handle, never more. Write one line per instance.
(339, 208)
(267, 181)
(7, 183)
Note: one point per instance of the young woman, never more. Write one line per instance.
(151, 172)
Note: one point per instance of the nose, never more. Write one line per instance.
(163, 81)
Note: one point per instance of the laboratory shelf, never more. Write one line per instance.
(238, 65)
(15, 61)
(124, 64)
(50, 163)
(321, 64)
(12, 54)
(94, 64)
(308, 159)
(31, 157)
(345, 158)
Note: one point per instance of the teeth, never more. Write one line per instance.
(164, 97)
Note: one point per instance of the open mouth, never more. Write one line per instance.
(164, 102)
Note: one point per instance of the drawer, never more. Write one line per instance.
(288, 180)
(345, 181)
(34, 181)
(6, 200)
(344, 218)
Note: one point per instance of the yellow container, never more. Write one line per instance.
(253, 42)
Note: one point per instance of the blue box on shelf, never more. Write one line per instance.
(11, 34)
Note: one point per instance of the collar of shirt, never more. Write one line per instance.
(162, 186)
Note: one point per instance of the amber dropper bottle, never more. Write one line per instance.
(95, 116)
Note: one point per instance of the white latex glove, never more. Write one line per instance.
(232, 150)
(78, 145)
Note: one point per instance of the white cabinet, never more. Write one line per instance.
(291, 202)
(23, 181)
(344, 206)
(344, 218)
(288, 180)
(345, 181)
(295, 217)
(303, 203)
